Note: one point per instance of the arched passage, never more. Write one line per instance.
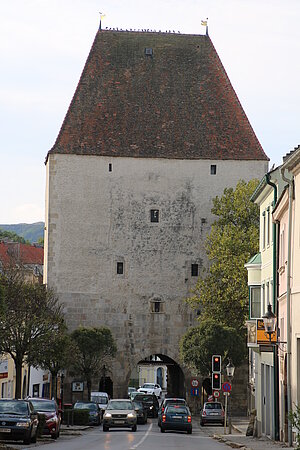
(161, 367)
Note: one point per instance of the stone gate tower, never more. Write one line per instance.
(154, 132)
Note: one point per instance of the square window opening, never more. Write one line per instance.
(213, 169)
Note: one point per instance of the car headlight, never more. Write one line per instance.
(52, 419)
(23, 424)
(131, 415)
(107, 415)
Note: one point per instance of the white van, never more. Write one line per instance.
(101, 398)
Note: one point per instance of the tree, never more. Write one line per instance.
(54, 355)
(201, 342)
(94, 347)
(12, 237)
(222, 294)
(28, 319)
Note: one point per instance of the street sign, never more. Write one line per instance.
(226, 387)
(216, 394)
(194, 382)
(210, 398)
(194, 392)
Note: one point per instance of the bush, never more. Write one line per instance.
(81, 416)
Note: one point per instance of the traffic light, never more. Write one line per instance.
(216, 363)
(216, 381)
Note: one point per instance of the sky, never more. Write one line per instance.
(44, 45)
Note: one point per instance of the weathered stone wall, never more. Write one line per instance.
(96, 218)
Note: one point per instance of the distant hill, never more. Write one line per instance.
(29, 231)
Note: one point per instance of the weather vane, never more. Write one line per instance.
(101, 17)
(205, 24)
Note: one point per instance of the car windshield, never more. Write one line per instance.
(175, 401)
(90, 406)
(13, 407)
(120, 404)
(177, 410)
(148, 385)
(213, 406)
(43, 405)
(138, 404)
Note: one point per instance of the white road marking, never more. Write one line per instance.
(143, 438)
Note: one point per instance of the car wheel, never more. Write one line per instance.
(134, 428)
(162, 430)
(54, 436)
(202, 423)
(105, 428)
(189, 431)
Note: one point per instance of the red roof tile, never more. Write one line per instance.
(177, 103)
(26, 254)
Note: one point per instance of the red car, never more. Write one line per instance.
(50, 410)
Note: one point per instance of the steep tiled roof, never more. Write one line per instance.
(26, 254)
(176, 103)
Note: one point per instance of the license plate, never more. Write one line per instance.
(214, 414)
(120, 421)
(176, 417)
(5, 430)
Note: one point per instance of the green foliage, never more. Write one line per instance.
(294, 417)
(81, 416)
(12, 237)
(30, 316)
(222, 294)
(199, 344)
(94, 346)
(31, 232)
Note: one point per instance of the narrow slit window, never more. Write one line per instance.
(120, 268)
(110, 167)
(195, 270)
(154, 215)
(157, 307)
(213, 169)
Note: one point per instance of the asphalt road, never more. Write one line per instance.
(147, 437)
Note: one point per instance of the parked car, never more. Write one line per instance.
(212, 412)
(169, 401)
(151, 388)
(101, 398)
(119, 414)
(133, 394)
(150, 403)
(176, 417)
(52, 415)
(141, 412)
(18, 421)
(93, 409)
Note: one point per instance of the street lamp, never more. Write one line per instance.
(230, 368)
(270, 320)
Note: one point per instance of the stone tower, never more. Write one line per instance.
(153, 133)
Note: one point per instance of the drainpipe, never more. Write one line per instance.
(288, 306)
(275, 309)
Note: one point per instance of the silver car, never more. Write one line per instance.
(212, 412)
(119, 414)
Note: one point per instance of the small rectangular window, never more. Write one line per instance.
(195, 270)
(255, 302)
(154, 215)
(120, 268)
(156, 307)
(110, 167)
(213, 169)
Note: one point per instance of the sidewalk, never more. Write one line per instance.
(238, 438)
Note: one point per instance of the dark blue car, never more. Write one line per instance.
(176, 417)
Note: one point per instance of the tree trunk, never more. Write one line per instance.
(18, 388)
(89, 388)
(54, 385)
